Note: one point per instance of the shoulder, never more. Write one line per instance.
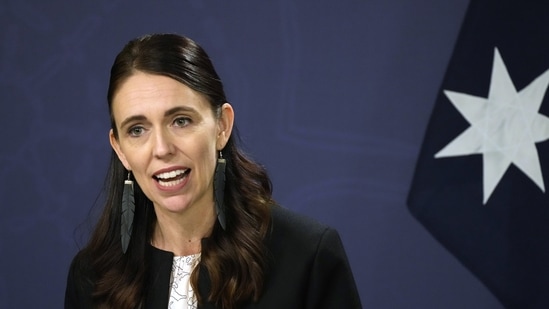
(297, 233)
(307, 264)
(80, 268)
(286, 220)
(80, 282)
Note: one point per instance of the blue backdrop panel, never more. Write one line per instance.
(332, 97)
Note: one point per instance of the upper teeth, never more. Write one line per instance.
(171, 174)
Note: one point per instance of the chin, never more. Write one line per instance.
(175, 205)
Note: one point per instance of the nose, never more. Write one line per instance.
(162, 144)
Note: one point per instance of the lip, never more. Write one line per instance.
(169, 169)
(172, 188)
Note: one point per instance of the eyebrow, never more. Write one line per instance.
(168, 113)
(179, 109)
(132, 119)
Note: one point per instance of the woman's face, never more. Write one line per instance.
(169, 137)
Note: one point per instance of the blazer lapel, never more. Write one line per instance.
(158, 281)
(204, 286)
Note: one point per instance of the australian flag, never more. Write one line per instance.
(482, 178)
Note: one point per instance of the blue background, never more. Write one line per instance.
(332, 97)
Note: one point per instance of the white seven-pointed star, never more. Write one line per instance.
(504, 127)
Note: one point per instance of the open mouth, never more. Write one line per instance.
(172, 178)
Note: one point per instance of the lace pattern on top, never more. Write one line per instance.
(181, 292)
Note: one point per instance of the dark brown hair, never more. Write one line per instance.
(235, 258)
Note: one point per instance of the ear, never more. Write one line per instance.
(116, 147)
(224, 125)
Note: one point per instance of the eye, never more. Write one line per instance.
(136, 131)
(182, 122)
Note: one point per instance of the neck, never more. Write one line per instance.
(181, 233)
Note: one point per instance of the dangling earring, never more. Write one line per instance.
(219, 190)
(128, 209)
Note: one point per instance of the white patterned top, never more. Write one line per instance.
(181, 292)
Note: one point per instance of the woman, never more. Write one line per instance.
(189, 220)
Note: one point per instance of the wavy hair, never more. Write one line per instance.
(235, 258)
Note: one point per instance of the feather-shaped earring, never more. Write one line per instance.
(128, 209)
(219, 190)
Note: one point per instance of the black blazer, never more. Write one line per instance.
(308, 268)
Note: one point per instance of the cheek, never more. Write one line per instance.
(135, 158)
(208, 156)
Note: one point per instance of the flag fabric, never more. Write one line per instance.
(482, 175)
